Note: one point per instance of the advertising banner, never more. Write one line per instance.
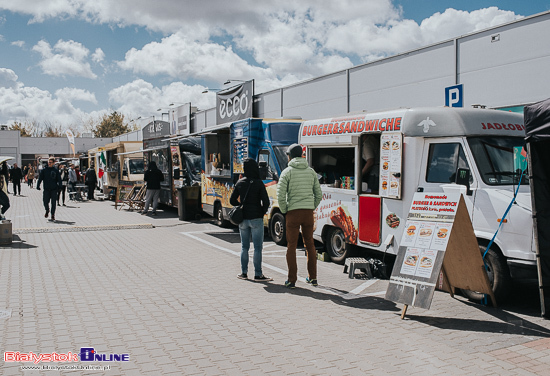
(234, 103)
(179, 120)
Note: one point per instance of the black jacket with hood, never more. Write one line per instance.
(256, 203)
(153, 176)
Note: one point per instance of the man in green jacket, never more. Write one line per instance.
(299, 193)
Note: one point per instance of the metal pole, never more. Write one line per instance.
(535, 231)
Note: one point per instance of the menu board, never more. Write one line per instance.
(390, 164)
(240, 152)
(422, 249)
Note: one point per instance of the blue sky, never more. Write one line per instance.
(68, 62)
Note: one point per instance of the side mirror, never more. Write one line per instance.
(176, 174)
(463, 178)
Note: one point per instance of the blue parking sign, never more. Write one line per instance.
(454, 96)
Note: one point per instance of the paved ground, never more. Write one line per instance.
(166, 293)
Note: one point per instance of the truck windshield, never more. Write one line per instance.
(194, 162)
(500, 159)
(136, 166)
(280, 154)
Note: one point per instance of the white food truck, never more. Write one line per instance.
(477, 152)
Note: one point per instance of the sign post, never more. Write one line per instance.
(438, 249)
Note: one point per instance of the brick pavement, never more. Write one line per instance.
(167, 295)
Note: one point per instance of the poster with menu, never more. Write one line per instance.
(422, 249)
(391, 145)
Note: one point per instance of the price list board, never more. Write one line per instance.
(422, 249)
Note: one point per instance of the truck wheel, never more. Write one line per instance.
(277, 229)
(218, 216)
(498, 273)
(336, 245)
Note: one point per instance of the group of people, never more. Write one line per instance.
(299, 194)
(55, 178)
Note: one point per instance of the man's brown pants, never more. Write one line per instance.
(294, 220)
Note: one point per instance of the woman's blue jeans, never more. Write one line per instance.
(252, 228)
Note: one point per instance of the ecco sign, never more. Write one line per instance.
(235, 103)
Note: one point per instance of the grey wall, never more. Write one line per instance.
(130, 136)
(511, 71)
(413, 79)
(321, 97)
(9, 145)
(59, 145)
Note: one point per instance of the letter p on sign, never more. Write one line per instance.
(453, 96)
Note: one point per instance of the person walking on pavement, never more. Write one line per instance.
(90, 179)
(5, 172)
(16, 176)
(72, 179)
(4, 199)
(30, 176)
(250, 192)
(52, 183)
(153, 176)
(299, 194)
(64, 181)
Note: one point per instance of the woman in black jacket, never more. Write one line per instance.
(251, 193)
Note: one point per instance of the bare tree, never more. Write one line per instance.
(52, 130)
(23, 129)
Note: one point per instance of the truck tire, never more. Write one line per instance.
(498, 273)
(277, 229)
(218, 215)
(336, 246)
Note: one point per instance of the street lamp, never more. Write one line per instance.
(163, 113)
(229, 81)
(208, 90)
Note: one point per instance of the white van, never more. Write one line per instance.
(477, 152)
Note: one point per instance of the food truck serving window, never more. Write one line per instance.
(136, 166)
(218, 152)
(161, 157)
(335, 166)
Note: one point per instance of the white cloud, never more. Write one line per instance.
(453, 23)
(141, 97)
(18, 43)
(31, 104)
(179, 57)
(70, 94)
(8, 78)
(98, 56)
(66, 58)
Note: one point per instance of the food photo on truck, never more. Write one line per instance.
(371, 165)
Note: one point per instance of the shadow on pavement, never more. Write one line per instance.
(228, 237)
(57, 221)
(365, 302)
(18, 243)
(510, 324)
